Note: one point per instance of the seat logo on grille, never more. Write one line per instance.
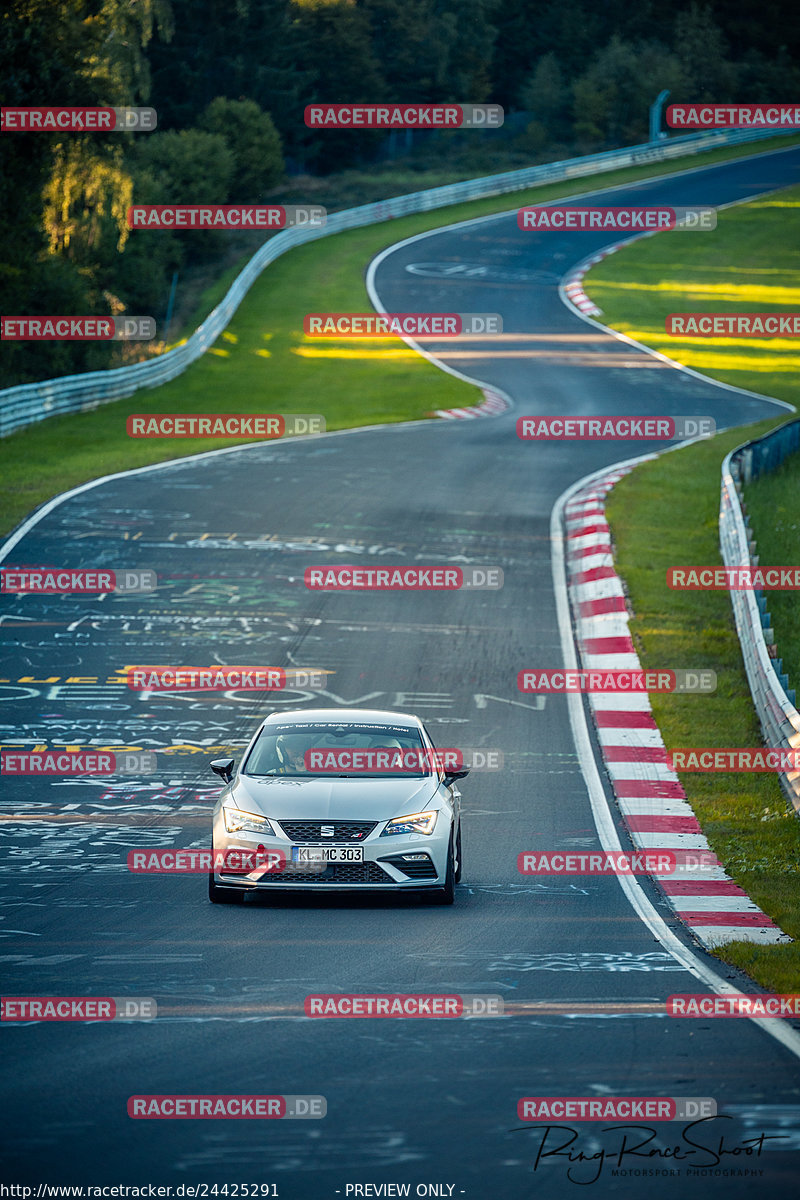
(326, 831)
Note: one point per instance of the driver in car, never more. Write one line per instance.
(291, 750)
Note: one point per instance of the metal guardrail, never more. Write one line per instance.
(27, 403)
(774, 701)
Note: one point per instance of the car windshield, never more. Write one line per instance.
(351, 750)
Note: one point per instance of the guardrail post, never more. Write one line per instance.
(655, 115)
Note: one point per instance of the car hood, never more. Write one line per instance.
(335, 799)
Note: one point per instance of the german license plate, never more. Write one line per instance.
(327, 854)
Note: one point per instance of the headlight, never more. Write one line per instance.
(236, 820)
(416, 823)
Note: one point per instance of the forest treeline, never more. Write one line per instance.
(230, 79)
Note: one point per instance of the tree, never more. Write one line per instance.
(612, 97)
(187, 166)
(748, 27)
(333, 37)
(547, 98)
(190, 166)
(68, 195)
(242, 50)
(411, 41)
(766, 80)
(114, 63)
(84, 188)
(467, 68)
(701, 49)
(253, 141)
(428, 52)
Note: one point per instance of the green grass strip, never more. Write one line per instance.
(773, 505)
(749, 263)
(262, 363)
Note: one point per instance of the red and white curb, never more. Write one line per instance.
(573, 290)
(572, 283)
(649, 795)
(492, 405)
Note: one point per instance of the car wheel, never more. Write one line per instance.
(447, 894)
(223, 895)
(458, 855)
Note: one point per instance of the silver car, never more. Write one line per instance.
(283, 822)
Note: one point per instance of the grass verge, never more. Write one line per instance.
(263, 363)
(666, 512)
(749, 263)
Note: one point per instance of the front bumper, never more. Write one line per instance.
(402, 862)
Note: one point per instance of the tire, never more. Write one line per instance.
(447, 894)
(223, 895)
(458, 855)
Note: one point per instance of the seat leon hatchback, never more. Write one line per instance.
(337, 800)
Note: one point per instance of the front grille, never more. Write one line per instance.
(363, 872)
(343, 831)
(421, 869)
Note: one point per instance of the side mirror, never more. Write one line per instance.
(224, 768)
(452, 776)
